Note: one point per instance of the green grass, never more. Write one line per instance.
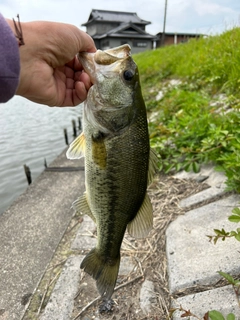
(212, 60)
(186, 128)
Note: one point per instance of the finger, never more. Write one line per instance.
(74, 64)
(63, 42)
(86, 43)
(68, 99)
(70, 83)
(80, 93)
(69, 72)
(83, 77)
(77, 64)
(74, 97)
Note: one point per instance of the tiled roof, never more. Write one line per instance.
(122, 31)
(117, 16)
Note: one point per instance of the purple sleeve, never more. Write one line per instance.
(9, 62)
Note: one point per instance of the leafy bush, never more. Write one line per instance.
(186, 127)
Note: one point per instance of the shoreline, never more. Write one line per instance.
(31, 230)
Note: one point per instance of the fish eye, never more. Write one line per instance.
(128, 75)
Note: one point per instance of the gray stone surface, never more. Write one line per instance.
(126, 266)
(220, 299)
(204, 195)
(61, 303)
(215, 178)
(85, 240)
(192, 259)
(147, 296)
(30, 231)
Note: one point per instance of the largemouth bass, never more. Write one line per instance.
(119, 164)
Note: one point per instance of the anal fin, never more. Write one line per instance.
(153, 166)
(140, 226)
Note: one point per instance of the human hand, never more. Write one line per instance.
(50, 72)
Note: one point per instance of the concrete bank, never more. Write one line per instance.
(30, 231)
(193, 261)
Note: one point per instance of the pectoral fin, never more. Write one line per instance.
(153, 166)
(81, 206)
(77, 148)
(140, 226)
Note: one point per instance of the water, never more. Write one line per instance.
(29, 133)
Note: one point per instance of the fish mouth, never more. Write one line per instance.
(90, 61)
(109, 56)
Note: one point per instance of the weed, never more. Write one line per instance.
(198, 121)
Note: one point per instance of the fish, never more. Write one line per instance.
(119, 163)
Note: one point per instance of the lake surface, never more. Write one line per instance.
(29, 133)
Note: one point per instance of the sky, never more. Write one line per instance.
(190, 16)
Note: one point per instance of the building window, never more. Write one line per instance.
(105, 43)
(140, 44)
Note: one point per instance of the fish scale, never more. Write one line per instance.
(120, 207)
(118, 161)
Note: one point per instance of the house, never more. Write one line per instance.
(113, 28)
(168, 38)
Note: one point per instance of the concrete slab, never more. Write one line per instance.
(85, 240)
(60, 305)
(147, 298)
(30, 231)
(220, 299)
(214, 178)
(204, 195)
(192, 259)
(126, 266)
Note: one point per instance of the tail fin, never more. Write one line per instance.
(104, 271)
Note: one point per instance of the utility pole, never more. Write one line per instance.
(164, 24)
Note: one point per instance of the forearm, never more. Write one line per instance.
(9, 60)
